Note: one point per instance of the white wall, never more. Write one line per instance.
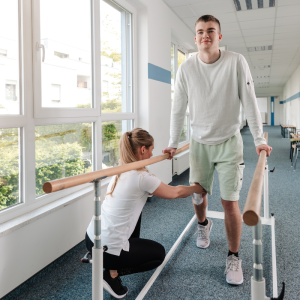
(156, 24)
(292, 108)
(262, 104)
(27, 250)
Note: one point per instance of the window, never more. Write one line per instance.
(9, 58)
(60, 44)
(176, 61)
(111, 133)
(3, 52)
(9, 167)
(11, 92)
(105, 86)
(116, 59)
(62, 151)
(64, 87)
(55, 91)
(172, 71)
(61, 55)
(181, 57)
(185, 130)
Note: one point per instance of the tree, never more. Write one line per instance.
(109, 132)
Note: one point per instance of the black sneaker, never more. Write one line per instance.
(114, 285)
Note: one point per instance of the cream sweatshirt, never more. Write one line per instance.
(214, 93)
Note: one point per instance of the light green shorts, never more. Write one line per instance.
(226, 158)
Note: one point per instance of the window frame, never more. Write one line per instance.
(44, 112)
(178, 47)
(32, 115)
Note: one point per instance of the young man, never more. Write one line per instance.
(214, 83)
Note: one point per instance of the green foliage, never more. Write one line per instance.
(63, 160)
(116, 56)
(110, 141)
(109, 132)
(111, 105)
(88, 105)
(58, 154)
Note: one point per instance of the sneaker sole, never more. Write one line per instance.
(107, 287)
(235, 283)
(209, 240)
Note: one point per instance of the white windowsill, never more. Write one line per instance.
(16, 223)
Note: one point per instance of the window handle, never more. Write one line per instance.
(38, 46)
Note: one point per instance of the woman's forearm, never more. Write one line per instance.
(185, 191)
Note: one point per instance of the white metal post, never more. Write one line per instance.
(274, 267)
(97, 251)
(258, 284)
(266, 193)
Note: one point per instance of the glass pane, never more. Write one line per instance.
(66, 71)
(9, 167)
(115, 60)
(62, 151)
(111, 133)
(184, 133)
(9, 58)
(172, 72)
(181, 57)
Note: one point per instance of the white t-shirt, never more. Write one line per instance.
(120, 213)
(214, 93)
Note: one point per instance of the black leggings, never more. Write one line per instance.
(143, 255)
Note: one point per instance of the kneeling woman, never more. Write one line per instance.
(121, 215)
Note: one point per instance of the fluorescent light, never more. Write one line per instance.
(260, 48)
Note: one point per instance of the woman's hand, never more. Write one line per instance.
(181, 191)
(200, 189)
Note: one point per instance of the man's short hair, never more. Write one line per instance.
(207, 18)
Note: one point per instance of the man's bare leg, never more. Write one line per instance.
(200, 209)
(233, 224)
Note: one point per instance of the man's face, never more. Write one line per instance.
(208, 36)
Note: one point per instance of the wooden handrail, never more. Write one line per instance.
(64, 183)
(252, 206)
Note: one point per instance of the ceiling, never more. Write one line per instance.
(245, 25)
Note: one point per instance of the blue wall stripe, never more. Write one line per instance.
(296, 96)
(159, 74)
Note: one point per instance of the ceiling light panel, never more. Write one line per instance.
(241, 5)
(261, 67)
(260, 48)
(237, 5)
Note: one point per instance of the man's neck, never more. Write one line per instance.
(210, 57)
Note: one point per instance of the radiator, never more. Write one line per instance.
(181, 162)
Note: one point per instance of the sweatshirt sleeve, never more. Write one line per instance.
(178, 109)
(249, 102)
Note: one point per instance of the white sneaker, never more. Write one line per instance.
(203, 240)
(233, 271)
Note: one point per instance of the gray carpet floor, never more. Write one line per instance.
(194, 273)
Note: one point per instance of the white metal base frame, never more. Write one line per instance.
(258, 288)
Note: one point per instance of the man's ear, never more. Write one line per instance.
(220, 36)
